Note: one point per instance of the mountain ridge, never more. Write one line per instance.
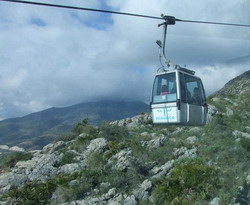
(45, 125)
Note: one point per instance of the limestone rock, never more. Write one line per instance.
(44, 168)
(52, 147)
(195, 129)
(134, 122)
(237, 133)
(212, 111)
(9, 180)
(122, 160)
(143, 192)
(215, 201)
(154, 143)
(71, 168)
(229, 112)
(130, 200)
(192, 139)
(162, 170)
(248, 179)
(184, 152)
(96, 145)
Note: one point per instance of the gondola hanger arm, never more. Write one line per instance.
(169, 20)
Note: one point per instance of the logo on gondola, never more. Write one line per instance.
(164, 111)
(165, 114)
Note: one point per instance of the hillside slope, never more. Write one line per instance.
(38, 129)
(233, 100)
(133, 162)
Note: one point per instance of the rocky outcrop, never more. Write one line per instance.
(140, 121)
(163, 170)
(122, 160)
(46, 163)
(154, 143)
(237, 133)
(212, 111)
(39, 168)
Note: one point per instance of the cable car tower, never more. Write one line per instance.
(178, 96)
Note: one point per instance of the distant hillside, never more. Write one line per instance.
(237, 86)
(38, 129)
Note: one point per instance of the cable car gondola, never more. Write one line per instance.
(178, 96)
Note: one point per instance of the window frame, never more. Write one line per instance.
(157, 86)
(186, 94)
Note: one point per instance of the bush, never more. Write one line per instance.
(85, 127)
(113, 132)
(68, 158)
(10, 160)
(245, 142)
(188, 183)
(82, 142)
(114, 148)
(66, 137)
(117, 137)
(36, 192)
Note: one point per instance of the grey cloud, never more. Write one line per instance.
(68, 60)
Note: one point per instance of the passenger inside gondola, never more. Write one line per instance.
(173, 90)
(196, 96)
(164, 90)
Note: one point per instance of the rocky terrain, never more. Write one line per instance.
(132, 162)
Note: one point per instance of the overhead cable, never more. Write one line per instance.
(121, 13)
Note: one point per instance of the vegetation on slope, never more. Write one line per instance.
(219, 169)
(204, 165)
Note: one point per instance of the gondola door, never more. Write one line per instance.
(193, 100)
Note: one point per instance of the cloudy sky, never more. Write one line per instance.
(51, 57)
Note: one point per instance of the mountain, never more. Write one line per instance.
(233, 100)
(39, 129)
(132, 162)
(237, 86)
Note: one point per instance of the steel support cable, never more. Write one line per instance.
(121, 13)
(81, 8)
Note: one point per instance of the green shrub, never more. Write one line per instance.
(245, 142)
(113, 132)
(66, 137)
(188, 183)
(10, 160)
(149, 122)
(85, 127)
(68, 158)
(114, 148)
(88, 179)
(124, 181)
(36, 192)
(82, 142)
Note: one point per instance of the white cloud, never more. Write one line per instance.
(57, 57)
(215, 77)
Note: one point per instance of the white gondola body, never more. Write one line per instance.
(178, 97)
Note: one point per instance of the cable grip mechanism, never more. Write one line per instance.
(169, 20)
